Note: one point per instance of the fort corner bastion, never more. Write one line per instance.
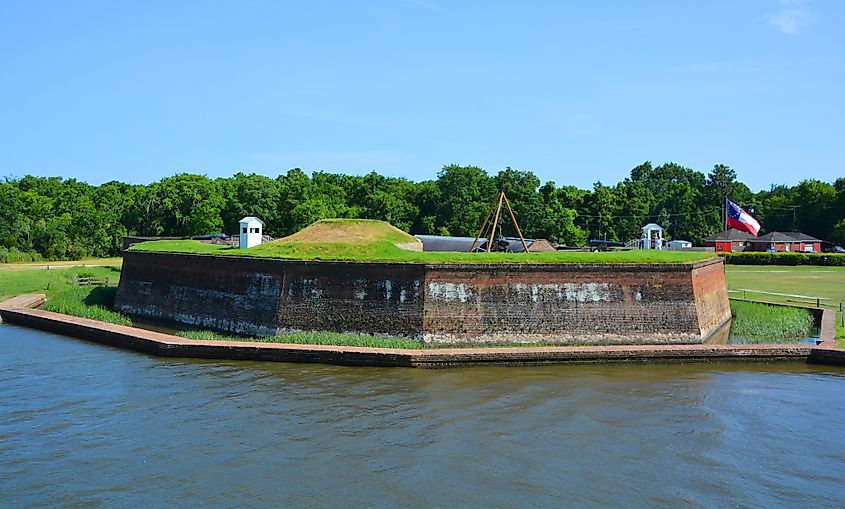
(677, 303)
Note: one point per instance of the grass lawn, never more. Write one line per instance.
(827, 283)
(16, 279)
(87, 262)
(63, 295)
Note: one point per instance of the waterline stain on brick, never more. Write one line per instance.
(449, 292)
(465, 304)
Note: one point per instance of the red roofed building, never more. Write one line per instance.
(787, 242)
(729, 241)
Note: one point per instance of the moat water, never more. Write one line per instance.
(84, 425)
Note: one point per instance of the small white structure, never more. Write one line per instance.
(679, 244)
(652, 237)
(251, 232)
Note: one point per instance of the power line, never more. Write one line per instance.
(709, 210)
(675, 214)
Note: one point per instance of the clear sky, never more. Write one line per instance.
(574, 91)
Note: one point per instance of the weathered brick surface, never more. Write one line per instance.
(711, 296)
(238, 295)
(569, 304)
(574, 303)
(261, 297)
(361, 297)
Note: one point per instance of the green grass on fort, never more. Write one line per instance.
(376, 241)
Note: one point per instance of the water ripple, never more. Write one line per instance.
(83, 425)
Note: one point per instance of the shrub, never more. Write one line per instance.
(759, 258)
(14, 255)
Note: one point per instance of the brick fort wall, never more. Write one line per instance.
(565, 303)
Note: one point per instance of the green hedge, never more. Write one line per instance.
(761, 258)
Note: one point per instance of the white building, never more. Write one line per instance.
(251, 231)
(679, 244)
(652, 237)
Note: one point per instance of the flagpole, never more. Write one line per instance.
(725, 213)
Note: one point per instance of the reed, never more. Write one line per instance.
(761, 323)
(311, 338)
(86, 302)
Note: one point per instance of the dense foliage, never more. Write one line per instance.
(56, 218)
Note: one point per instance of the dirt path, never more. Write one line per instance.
(93, 262)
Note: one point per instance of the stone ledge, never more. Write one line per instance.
(829, 356)
(157, 343)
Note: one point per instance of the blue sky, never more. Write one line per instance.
(574, 91)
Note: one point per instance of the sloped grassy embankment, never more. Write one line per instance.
(377, 241)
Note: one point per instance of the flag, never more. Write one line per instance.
(740, 219)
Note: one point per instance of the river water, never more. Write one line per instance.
(83, 425)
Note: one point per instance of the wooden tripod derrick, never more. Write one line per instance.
(488, 229)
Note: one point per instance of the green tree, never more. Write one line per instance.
(559, 221)
(251, 195)
(466, 193)
(188, 204)
(603, 205)
(837, 236)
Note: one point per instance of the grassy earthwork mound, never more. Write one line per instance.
(377, 241)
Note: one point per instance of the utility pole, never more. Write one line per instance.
(794, 216)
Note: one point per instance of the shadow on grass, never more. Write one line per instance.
(101, 296)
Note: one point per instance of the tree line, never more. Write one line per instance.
(58, 218)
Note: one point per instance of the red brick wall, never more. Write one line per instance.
(362, 297)
(594, 304)
(254, 296)
(711, 296)
(236, 295)
(574, 303)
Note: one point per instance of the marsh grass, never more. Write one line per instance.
(828, 283)
(94, 303)
(311, 338)
(761, 323)
(352, 339)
